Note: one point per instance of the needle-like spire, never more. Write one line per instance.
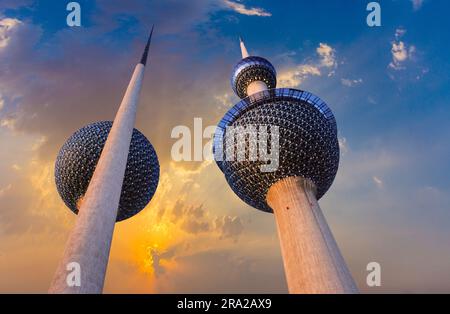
(90, 240)
(243, 49)
(147, 47)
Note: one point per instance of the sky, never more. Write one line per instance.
(388, 87)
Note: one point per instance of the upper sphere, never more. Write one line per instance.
(78, 158)
(252, 69)
(308, 145)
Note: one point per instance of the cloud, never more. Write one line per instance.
(224, 101)
(239, 272)
(229, 227)
(193, 221)
(327, 54)
(399, 32)
(157, 257)
(343, 145)
(351, 83)
(379, 183)
(295, 75)
(400, 51)
(177, 210)
(30, 204)
(242, 9)
(175, 249)
(73, 105)
(15, 4)
(113, 14)
(7, 26)
(417, 4)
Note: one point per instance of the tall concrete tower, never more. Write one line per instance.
(105, 172)
(308, 158)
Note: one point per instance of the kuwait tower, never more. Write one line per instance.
(105, 172)
(308, 160)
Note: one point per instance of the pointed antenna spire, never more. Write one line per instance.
(243, 49)
(147, 47)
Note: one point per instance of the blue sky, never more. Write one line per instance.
(388, 87)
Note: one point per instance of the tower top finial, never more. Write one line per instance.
(252, 70)
(243, 49)
(147, 47)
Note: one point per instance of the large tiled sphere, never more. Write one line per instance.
(78, 158)
(308, 144)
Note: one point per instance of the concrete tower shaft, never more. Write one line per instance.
(90, 240)
(312, 260)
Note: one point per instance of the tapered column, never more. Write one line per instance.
(90, 240)
(311, 257)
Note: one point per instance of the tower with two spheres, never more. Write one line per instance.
(308, 159)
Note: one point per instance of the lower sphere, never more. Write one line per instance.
(78, 158)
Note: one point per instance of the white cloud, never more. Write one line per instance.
(6, 25)
(378, 182)
(326, 53)
(343, 146)
(400, 51)
(296, 75)
(351, 83)
(242, 9)
(417, 4)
